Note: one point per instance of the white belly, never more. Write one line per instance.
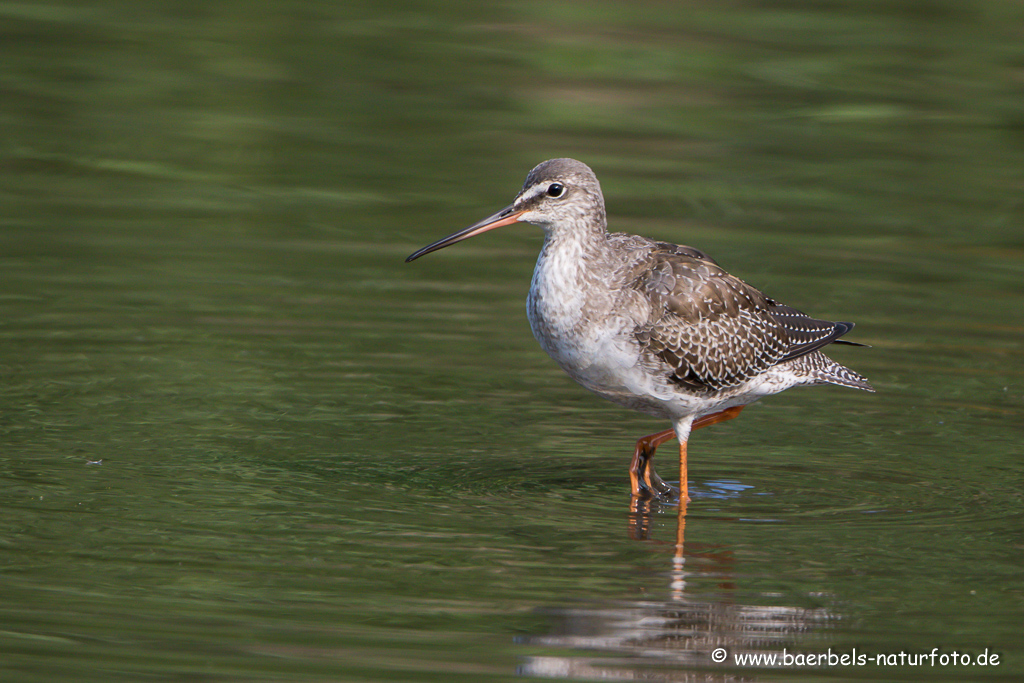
(573, 322)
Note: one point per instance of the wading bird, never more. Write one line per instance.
(656, 327)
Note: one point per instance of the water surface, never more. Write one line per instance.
(243, 441)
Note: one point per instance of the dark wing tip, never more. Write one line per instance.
(807, 334)
(850, 343)
(843, 328)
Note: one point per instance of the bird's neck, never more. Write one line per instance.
(567, 286)
(582, 238)
(569, 258)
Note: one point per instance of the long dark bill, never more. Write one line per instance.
(506, 216)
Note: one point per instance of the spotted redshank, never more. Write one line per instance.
(656, 327)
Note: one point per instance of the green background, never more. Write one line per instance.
(241, 440)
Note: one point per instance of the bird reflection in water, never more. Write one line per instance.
(671, 639)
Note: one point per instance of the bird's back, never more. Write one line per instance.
(711, 330)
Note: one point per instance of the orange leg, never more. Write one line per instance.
(705, 421)
(644, 481)
(715, 418)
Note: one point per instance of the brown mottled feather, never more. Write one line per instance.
(713, 329)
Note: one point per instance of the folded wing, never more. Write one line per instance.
(715, 331)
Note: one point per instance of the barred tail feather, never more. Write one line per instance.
(821, 369)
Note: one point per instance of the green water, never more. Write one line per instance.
(241, 440)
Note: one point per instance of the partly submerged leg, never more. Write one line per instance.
(642, 477)
(683, 434)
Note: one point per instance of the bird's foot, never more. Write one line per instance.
(659, 492)
(657, 487)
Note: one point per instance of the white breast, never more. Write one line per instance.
(577, 316)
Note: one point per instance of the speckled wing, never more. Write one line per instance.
(714, 330)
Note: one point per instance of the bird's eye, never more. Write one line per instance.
(556, 190)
